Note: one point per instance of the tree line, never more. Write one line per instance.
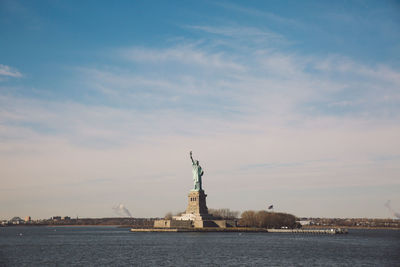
(224, 214)
(265, 219)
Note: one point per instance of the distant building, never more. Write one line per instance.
(66, 218)
(56, 218)
(28, 219)
(16, 220)
(304, 222)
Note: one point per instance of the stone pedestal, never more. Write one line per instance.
(197, 203)
(196, 215)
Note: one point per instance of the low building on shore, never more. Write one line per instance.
(16, 220)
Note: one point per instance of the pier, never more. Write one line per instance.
(332, 231)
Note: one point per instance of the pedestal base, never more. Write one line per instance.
(196, 213)
(197, 203)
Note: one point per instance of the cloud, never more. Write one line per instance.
(197, 89)
(183, 54)
(242, 32)
(345, 66)
(258, 13)
(259, 120)
(9, 71)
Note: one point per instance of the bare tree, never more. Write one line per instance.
(226, 214)
(248, 218)
(264, 219)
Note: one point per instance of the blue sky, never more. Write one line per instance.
(289, 103)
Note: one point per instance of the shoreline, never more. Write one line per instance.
(350, 227)
(253, 229)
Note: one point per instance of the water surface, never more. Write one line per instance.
(94, 246)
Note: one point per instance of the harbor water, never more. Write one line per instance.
(112, 246)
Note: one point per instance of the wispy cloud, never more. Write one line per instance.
(9, 71)
(240, 31)
(237, 90)
(181, 54)
(256, 12)
(258, 80)
(343, 65)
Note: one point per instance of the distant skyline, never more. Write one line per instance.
(294, 104)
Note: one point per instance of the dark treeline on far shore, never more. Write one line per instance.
(350, 222)
(58, 221)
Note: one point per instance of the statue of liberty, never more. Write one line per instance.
(197, 173)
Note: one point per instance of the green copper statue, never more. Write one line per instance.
(197, 173)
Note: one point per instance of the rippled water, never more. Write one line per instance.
(94, 246)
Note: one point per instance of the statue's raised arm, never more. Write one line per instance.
(191, 157)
